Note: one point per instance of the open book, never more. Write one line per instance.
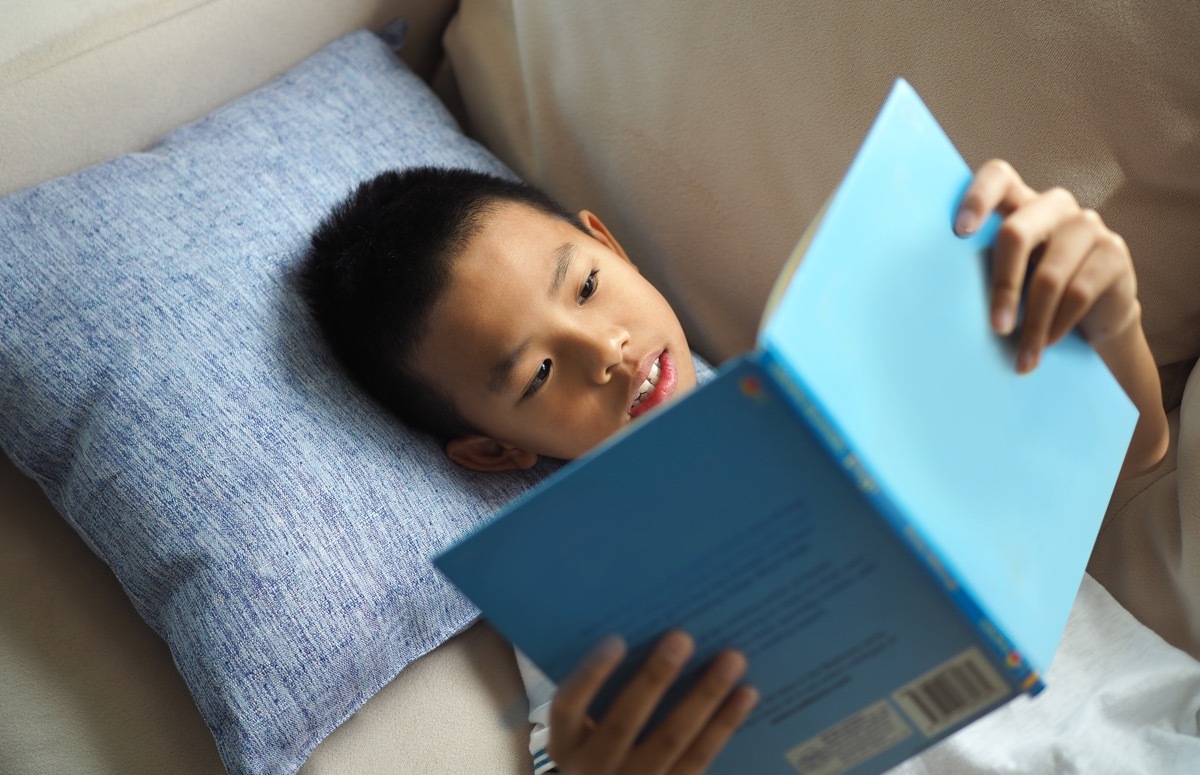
(872, 505)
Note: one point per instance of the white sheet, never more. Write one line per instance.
(1119, 700)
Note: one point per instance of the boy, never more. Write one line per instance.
(478, 310)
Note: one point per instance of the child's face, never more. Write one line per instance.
(544, 338)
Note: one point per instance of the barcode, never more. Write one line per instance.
(951, 692)
(948, 692)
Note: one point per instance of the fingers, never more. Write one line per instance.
(1020, 235)
(568, 714)
(615, 733)
(996, 187)
(692, 727)
(684, 743)
(713, 737)
(1104, 275)
(1108, 278)
(1068, 235)
(1082, 276)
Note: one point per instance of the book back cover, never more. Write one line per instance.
(726, 516)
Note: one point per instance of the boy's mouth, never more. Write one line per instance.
(657, 384)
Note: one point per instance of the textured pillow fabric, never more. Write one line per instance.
(162, 381)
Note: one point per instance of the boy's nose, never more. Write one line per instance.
(604, 352)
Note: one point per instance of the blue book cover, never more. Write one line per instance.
(872, 505)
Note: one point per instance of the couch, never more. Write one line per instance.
(707, 135)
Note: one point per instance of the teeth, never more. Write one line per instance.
(649, 384)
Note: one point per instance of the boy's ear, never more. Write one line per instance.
(486, 455)
(602, 234)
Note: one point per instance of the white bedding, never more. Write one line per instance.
(1119, 700)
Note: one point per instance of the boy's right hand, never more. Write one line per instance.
(686, 741)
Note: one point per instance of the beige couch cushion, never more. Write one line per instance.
(39, 35)
(1148, 552)
(709, 138)
(81, 82)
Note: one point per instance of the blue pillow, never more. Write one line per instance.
(161, 379)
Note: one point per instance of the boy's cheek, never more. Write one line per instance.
(687, 377)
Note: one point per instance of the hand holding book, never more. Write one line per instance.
(1080, 275)
(687, 740)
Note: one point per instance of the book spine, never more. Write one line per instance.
(1014, 663)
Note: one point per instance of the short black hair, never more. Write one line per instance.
(380, 261)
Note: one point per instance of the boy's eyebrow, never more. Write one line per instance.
(501, 373)
(563, 258)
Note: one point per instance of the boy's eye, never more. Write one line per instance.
(589, 287)
(539, 379)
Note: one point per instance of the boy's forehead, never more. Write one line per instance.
(516, 221)
(506, 268)
(515, 239)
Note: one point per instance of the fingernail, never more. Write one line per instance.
(747, 698)
(730, 667)
(607, 649)
(676, 648)
(965, 223)
(1003, 321)
(1026, 361)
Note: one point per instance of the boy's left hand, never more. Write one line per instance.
(1082, 276)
